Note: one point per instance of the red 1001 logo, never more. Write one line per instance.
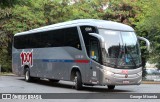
(26, 58)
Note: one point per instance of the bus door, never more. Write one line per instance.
(94, 52)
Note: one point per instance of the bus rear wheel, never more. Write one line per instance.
(111, 87)
(28, 78)
(78, 81)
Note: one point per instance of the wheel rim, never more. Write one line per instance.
(75, 80)
(27, 75)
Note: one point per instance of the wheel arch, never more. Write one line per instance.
(73, 72)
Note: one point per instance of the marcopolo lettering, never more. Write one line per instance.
(26, 58)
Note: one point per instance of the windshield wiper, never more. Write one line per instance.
(132, 59)
(110, 64)
(105, 62)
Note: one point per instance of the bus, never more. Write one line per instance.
(85, 51)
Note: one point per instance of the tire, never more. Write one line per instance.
(28, 78)
(78, 81)
(53, 80)
(111, 87)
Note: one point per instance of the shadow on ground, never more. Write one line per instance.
(62, 84)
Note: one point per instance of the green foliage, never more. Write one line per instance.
(124, 11)
(4, 13)
(56, 11)
(38, 13)
(8, 3)
(149, 27)
(88, 9)
(5, 57)
(26, 17)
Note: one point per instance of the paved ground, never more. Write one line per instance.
(13, 84)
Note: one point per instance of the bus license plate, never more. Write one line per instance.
(125, 82)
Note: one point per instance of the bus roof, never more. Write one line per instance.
(82, 22)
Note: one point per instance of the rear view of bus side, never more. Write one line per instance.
(86, 51)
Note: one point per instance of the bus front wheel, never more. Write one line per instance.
(111, 87)
(78, 81)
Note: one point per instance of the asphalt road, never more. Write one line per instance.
(14, 84)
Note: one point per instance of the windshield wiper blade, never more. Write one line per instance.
(109, 64)
(132, 59)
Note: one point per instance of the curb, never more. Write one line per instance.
(150, 82)
(7, 74)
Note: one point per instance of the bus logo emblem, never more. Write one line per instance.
(26, 58)
(125, 71)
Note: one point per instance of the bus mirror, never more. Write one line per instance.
(100, 38)
(147, 42)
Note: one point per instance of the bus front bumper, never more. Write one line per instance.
(110, 78)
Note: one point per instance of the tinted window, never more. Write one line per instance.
(94, 49)
(34, 40)
(21, 41)
(54, 38)
(72, 38)
(85, 33)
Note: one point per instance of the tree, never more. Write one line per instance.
(30, 14)
(22, 15)
(148, 26)
(88, 9)
(5, 38)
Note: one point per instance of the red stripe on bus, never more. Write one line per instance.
(82, 61)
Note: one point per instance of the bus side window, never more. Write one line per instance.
(72, 37)
(94, 49)
(85, 30)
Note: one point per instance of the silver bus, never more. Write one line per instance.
(85, 51)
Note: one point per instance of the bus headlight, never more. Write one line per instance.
(109, 73)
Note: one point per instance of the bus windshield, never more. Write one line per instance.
(121, 49)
